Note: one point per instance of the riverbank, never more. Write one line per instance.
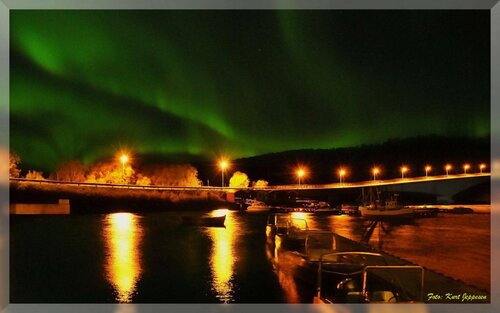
(99, 198)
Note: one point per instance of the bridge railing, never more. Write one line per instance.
(275, 187)
(125, 186)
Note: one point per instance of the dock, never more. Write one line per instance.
(62, 207)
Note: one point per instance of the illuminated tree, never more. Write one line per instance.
(72, 171)
(260, 183)
(14, 161)
(184, 175)
(143, 180)
(111, 173)
(239, 180)
(35, 175)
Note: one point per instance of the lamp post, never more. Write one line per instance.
(466, 167)
(123, 161)
(404, 169)
(223, 165)
(482, 166)
(428, 168)
(448, 167)
(300, 174)
(375, 171)
(342, 173)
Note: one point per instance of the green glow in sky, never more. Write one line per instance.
(85, 83)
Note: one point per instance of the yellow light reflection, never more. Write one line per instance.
(123, 235)
(222, 257)
(283, 272)
(299, 215)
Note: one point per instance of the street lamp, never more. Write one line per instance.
(448, 167)
(342, 173)
(482, 166)
(404, 169)
(375, 171)
(223, 165)
(123, 160)
(466, 167)
(300, 174)
(428, 168)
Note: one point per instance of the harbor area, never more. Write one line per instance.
(296, 250)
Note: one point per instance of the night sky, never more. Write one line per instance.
(240, 83)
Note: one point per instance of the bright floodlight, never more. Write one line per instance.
(428, 168)
(124, 158)
(342, 173)
(482, 166)
(404, 169)
(448, 167)
(223, 164)
(375, 171)
(300, 172)
(466, 167)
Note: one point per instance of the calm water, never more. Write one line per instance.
(152, 257)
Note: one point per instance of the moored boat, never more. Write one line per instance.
(389, 210)
(365, 277)
(255, 205)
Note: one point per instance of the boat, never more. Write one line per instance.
(461, 210)
(306, 205)
(365, 277)
(291, 230)
(277, 223)
(349, 210)
(327, 211)
(389, 210)
(207, 221)
(255, 205)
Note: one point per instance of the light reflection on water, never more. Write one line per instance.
(285, 275)
(222, 256)
(123, 235)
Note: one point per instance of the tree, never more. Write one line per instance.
(35, 175)
(260, 183)
(14, 161)
(72, 171)
(110, 173)
(239, 180)
(143, 180)
(181, 175)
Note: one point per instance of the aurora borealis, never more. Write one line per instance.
(241, 83)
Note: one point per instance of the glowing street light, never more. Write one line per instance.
(123, 161)
(223, 164)
(375, 172)
(404, 169)
(466, 167)
(428, 168)
(448, 167)
(300, 173)
(482, 166)
(342, 173)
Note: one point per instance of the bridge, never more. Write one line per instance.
(427, 189)
(343, 185)
(432, 189)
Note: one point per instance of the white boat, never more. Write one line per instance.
(255, 205)
(390, 210)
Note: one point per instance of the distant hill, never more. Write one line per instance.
(322, 164)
